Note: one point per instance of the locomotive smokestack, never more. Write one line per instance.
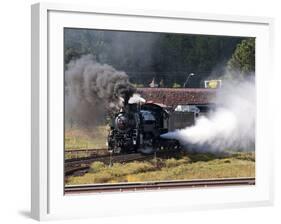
(126, 92)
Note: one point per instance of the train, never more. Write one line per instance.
(138, 128)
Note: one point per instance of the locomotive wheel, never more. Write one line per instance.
(117, 150)
(148, 148)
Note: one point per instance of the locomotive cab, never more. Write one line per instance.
(161, 116)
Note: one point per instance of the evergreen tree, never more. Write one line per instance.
(243, 58)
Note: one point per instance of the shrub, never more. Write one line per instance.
(118, 169)
(96, 167)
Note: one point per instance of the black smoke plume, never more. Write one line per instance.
(93, 89)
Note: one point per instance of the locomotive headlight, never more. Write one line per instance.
(122, 122)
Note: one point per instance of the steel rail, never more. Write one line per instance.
(84, 150)
(74, 165)
(78, 189)
(114, 158)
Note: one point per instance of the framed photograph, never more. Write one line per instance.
(134, 110)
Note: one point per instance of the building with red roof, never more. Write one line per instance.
(172, 97)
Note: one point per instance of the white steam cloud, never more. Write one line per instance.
(230, 126)
(136, 98)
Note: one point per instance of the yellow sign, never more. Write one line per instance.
(213, 84)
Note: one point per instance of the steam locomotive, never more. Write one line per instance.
(138, 127)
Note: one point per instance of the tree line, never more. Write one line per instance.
(168, 59)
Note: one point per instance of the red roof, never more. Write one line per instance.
(178, 96)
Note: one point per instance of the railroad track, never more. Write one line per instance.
(78, 189)
(81, 165)
(115, 158)
(75, 165)
(74, 151)
(90, 153)
(107, 158)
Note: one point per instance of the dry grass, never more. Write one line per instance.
(223, 168)
(101, 173)
(82, 138)
(194, 166)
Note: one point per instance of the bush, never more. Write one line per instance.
(176, 85)
(118, 169)
(176, 162)
(96, 167)
(102, 177)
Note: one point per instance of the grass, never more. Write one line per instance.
(82, 138)
(101, 173)
(77, 154)
(192, 166)
(223, 168)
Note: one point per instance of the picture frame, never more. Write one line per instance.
(48, 200)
